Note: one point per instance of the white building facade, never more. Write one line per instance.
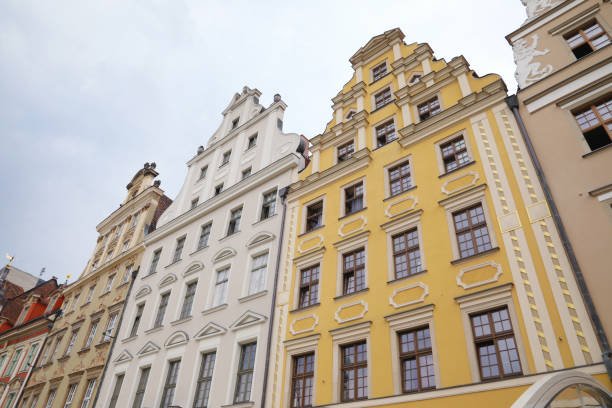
(195, 330)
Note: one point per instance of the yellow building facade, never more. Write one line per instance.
(421, 265)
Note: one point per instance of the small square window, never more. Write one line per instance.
(218, 189)
(595, 122)
(226, 158)
(203, 172)
(235, 123)
(382, 98)
(454, 154)
(353, 198)
(385, 133)
(252, 141)
(346, 151)
(429, 108)
(314, 216)
(379, 71)
(586, 39)
(246, 173)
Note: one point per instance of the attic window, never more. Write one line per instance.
(235, 123)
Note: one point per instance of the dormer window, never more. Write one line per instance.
(382, 98)
(23, 315)
(235, 123)
(252, 141)
(226, 158)
(379, 71)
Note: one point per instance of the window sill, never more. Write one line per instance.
(104, 294)
(150, 274)
(154, 329)
(128, 339)
(353, 213)
(457, 169)
(468, 258)
(63, 358)
(102, 344)
(199, 250)
(305, 308)
(183, 320)
(229, 235)
(223, 164)
(309, 231)
(123, 284)
(253, 296)
(404, 278)
(264, 220)
(399, 194)
(348, 295)
(376, 80)
(173, 263)
(382, 106)
(214, 309)
(83, 350)
(239, 405)
(597, 150)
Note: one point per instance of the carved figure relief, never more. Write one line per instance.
(535, 7)
(528, 72)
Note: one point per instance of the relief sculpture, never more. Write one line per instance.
(528, 72)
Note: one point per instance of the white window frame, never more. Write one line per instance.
(343, 196)
(305, 262)
(383, 88)
(51, 398)
(350, 137)
(261, 203)
(213, 285)
(88, 392)
(92, 333)
(387, 66)
(297, 347)
(90, 293)
(343, 336)
(343, 247)
(30, 356)
(305, 206)
(379, 123)
(397, 226)
(408, 158)
(127, 273)
(426, 97)
(110, 327)
(70, 346)
(198, 247)
(468, 146)
(246, 338)
(183, 297)
(264, 278)
(74, 303)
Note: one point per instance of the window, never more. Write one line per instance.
(13, 363)
(188, 301)
(126, 244)
(595, 122)
(74, 303)
(218, 189)
(128, 274)
(268, 207)
(10, 399)
(71, 343)
(429, 108)
(23, 314)
(302, 381)
(234, 222)
(142, 386)
(139, 310)
(353, 273)
(416, 77)
(314, 216)
(154, 261)
(382, 98)
(34, 401)
(27, 362)
(350, 115)
(70, 395)
(416, 360)
(385, 133)
(353, 198)
(43, 359)
(354, 371)
(180, 243)
(379, 71)
(252, 141)
(235, 123)
(346, 151)
(279, 124)
(194, 203)
(55, 350)
(309, 286)
(588, 38)
(245, 373)
(400, 179)
(471, 230)
(106, 239)
(226, 158)
(203, 172)
(258, 273)
(221, 287)
(109, 283)
(406, 254)
(204, 235)
(95, 264)
(90, 294)
(108, 333)
(134, 220)
(454, 154)
(495, 346)
(204, 380)
(50, 398)
(161, 309)
(118, 230)
(109, 255)
(92, 334)
(246, 173)
(170, 385)
(88, 393)
(116, 391)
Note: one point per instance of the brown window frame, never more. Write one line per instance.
(309, 290)
(379, 71)
(383, 98)
(431, 108)
(454, 157)
(415, 355)
(301, 378)
(314, 216)
(579, 114)
(402, 175)
(385, 133)
(353, 367)
(345, 151)
(494, 337)
(355, 198)
(471, 228)
(406, 251)
(586, 41)
(353, 272)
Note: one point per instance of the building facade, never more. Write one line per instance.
(564, 71)
(25, 322)
(72, 361)
(196, 326)
(421, 267)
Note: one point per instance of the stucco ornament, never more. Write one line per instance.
(528, 72)
(535, 7)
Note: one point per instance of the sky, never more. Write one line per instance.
(91, 90)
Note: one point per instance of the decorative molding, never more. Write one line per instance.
(494, 278)
(318, 245)
(248, 318)
(346, 306)
(210, 330)
(312, 316)
(148, 348)
(538, 211)
(125, 356)
(388, 212)
(364, 222)
(475, 178)
(260, 238)
(167, 280)
(224, 254)
(176, 339)
(509, 222)
(397, 291)
(193, 267)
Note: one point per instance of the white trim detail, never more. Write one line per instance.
(360, 228)
(317, 246)
(409, 197)
(167, 280)
(299, 319)
(463, 271)
(410, 302)
(210, 330)
(144, 291)
(347, 305)
(176, 339)
(469, 173)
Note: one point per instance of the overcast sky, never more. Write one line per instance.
(90, 90)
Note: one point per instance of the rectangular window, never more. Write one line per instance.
(353, 198)
(109, 284)
(88, 393)
(178, 251)
(246, 173)
(134, 220)
(495, 346)
(137, 318)
(90, 294)
(50, 398)
(221, 287)
(234, 222)
(142, 387)
(454, 154)
(126, 244)
(204, 380)
(595, 122)
(314, 216)
(92, 334)
(226, 158)
(161, 310)
(353, 274)
(71, 343)
(154, 261)
(13, 363)
(586, 39)
(10, 399)
(382, 98)
(23, 315)
(56, 349)
(354, 373)
(379, 71)
(127, 274)
(203, 172)
(235, 123)
(471, 229)
(268, 207)
(74, 303)
(194, 203)
(309, 286)
(302, 381)
(26, 363)
(204, 235)
(279, 124)
(252, 141)
(346, 151)
(416, 360)
(245, 373)
(258, 273)
(188, 301)
(218, 189)
(118, 230)
(70, 395)
(429, 108)
(110, 327)
(406, 253)
(385, 133)
(400, 179)
(109, 255)
(34, 401)
(170, 385)
(116, 391)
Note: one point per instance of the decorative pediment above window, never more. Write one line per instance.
(224, 254)
(176, 339)
(148, 348)
(260, 238)
(193, 267)
(415, 77)
(349, 115)
(143, 291)
(210, 330)
(167, 280)
(123, 357)
(249, 318)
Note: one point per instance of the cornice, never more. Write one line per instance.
(126, 209)
(321, 142)
(422, 52)
(350, 97)
(376, 45)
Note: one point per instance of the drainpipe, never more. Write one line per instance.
(283, 195)
(110, 352)
(513, 103)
